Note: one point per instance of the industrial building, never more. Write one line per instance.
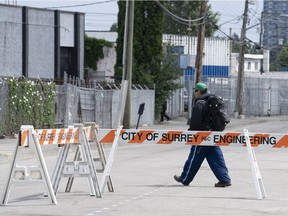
(41, 43)
(275, 25)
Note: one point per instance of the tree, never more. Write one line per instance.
(93, 51)
(250, 46)
(149, 65)
(147, 49)
(119, 41)
(186, 9)
(235, 43)
(282, 57)
(166, 81)
(113, 27)
(146, 39)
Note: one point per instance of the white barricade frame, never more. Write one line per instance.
(108, 167)
(92, 135)
(82, 166)
(258, 182)
(33, 142)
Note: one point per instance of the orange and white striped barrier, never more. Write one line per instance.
(203, 138)
(208, 138)
(53, 136)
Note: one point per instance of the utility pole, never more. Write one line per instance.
(200, 42)
(127, 64)
(239, 99)
(230, 50)
(199, 53)
(261, 30)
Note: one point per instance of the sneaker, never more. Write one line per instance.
(178, 179)
(223, 184)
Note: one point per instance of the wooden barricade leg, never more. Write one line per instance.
(258, 182)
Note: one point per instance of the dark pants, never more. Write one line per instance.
(163, 114)
(215, 159)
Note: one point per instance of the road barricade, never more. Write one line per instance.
(83, 164)
(204, 138)
(91, 130)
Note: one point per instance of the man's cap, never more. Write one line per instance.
(200, 86)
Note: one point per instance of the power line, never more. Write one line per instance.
(177, 17)
(82, 5)
(34, 24)
(94, 13)
(229, 9)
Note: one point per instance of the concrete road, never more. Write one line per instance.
(144, 185)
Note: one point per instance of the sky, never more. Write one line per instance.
(101, 14)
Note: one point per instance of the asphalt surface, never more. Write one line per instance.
(144, 185)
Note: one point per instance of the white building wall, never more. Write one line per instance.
(254, 60)
(252, 65)
(107, 63)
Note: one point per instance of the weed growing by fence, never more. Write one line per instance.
(29, 103)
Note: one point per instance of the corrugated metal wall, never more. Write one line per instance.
(216, 50)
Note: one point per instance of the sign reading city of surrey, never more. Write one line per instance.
(205, 138)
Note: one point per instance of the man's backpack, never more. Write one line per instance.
(217, 112)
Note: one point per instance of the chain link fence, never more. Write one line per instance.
(100, 103)
(262, 95)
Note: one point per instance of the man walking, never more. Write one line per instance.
(201, 121)
(163, 112)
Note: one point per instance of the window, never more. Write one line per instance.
(249, 65)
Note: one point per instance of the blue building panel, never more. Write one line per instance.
(210, 71)
(189, 72)
(215, 71)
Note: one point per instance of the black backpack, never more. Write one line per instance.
(217, 111)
